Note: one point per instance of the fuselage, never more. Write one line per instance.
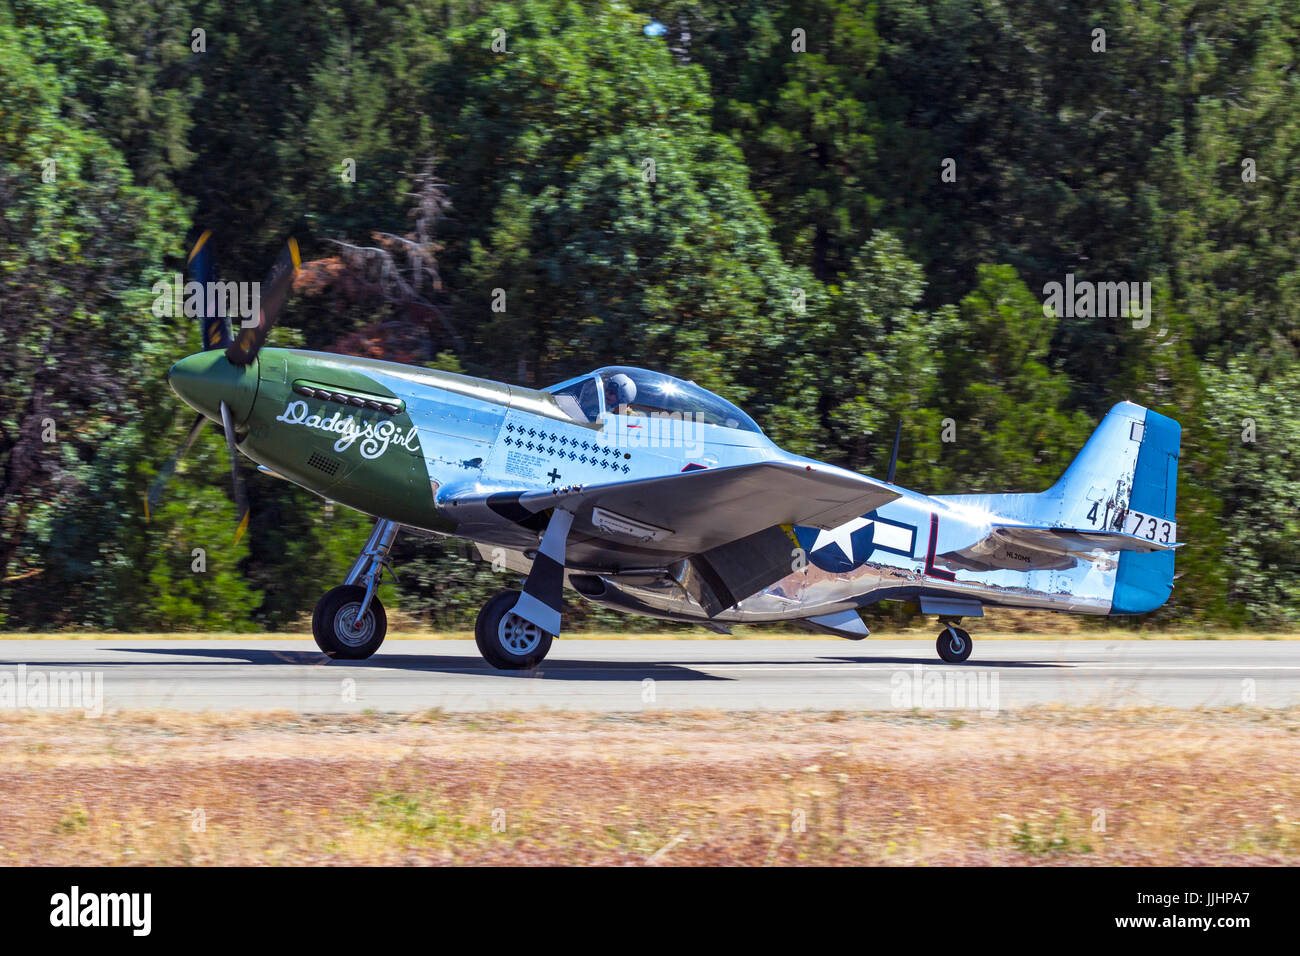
(400, 442)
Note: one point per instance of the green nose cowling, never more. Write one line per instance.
(206, 379)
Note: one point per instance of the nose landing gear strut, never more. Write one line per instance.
(349, 622)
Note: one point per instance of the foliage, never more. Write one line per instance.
(771, 223)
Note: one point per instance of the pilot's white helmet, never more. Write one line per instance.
(623, 387)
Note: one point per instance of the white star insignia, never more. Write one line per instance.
(843, 536)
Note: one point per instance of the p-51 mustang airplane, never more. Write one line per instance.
(649, 494)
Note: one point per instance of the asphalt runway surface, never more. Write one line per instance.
(635, 675)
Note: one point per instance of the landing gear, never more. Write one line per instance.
(349, 623)
(338, 630)
(507, 641)
(954, 644)
(515, 629)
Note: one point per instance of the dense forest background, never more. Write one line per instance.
(749, 193)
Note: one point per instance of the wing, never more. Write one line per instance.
(730, 518)
(684, 514)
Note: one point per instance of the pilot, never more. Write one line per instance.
(620, 392)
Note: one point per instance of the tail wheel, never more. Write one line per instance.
(954, 644)
(337, 630)
(506, 640)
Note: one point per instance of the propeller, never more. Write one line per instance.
(200, 267)
(240, 351)
(241, 492)
(154, 496)
(275, 291)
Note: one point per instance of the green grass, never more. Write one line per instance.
(423, 819)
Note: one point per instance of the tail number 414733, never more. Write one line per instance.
(1133, 522)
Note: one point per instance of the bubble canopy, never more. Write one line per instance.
(656, 393)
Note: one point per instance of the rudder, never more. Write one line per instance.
(1143, 582)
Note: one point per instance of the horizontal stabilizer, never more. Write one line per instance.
(1045, 548)
(1078, 540)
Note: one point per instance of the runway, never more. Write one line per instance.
(629, 676)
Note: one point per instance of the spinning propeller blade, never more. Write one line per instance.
(158, 484)
(274, 292)
(241, 493)
(201, 268)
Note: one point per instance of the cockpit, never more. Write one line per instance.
(623, 390)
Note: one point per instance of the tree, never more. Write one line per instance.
(82, 359)
(1011, 424)
(1259, 428)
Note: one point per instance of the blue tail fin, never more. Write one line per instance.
(1144, 581)
(1128, 468)
(1125, 479)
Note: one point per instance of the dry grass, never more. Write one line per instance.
(1024, 788)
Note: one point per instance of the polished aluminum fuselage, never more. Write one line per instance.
(458, 435)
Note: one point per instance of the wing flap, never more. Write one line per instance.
(723, 576)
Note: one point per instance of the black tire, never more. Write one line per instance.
(329, 620)
(509, 646)
(953, 650)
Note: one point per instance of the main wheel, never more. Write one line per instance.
(954, 644)
(505, 639)
(335, 626)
